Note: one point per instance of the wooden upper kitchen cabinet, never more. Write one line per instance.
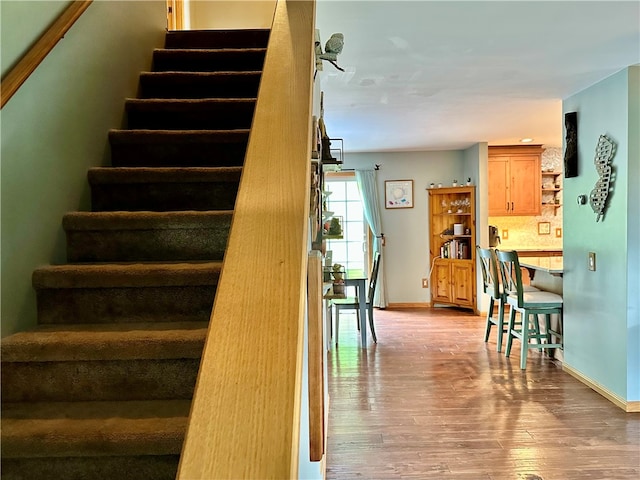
(514, 180)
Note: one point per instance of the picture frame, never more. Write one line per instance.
(544, 228)
(398, 194)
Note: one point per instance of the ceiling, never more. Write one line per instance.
(443, 75)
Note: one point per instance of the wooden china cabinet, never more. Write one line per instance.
(452, 241)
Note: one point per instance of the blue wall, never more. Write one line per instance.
(601, 327)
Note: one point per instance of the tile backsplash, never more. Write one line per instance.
(523, 231)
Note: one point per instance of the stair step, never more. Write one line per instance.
(190, 114)
(253, 38)
(146, 236)
(86, 440)
(126, 293)
(139, 467)
(178, 148)
(203, 60)
(163, 189)
(199, 84)
(102, 362)
(110, 341)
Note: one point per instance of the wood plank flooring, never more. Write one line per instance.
(432, 400)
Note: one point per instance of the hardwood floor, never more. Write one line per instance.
(432, 400)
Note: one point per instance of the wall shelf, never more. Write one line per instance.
(551, 188)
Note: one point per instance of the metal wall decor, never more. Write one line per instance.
(605, 150)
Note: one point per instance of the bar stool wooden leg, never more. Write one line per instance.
(501, 324)
(510, 328)
(524, 341)
(487, 328)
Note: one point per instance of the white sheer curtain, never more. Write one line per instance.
(368, 187)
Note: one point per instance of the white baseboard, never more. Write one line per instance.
(612, 397)
(410, 305)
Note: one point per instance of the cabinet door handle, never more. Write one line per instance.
(507, 206)
(512, 206)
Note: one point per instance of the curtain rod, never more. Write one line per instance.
(377, 167)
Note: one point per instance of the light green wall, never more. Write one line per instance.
(22, 24)
(633, 240)
(596, 310)
(475, 162)
(55, 128)
(406, 230)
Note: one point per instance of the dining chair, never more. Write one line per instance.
(491, 286)
(352, 303)
(529, 304)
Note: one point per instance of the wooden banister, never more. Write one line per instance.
(14, 79)
(245, 416)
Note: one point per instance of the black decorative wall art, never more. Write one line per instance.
(571, 149)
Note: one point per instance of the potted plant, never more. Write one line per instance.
(338, 278)
(334, 227)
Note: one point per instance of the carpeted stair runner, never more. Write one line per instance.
(163, 189)
(102, 387)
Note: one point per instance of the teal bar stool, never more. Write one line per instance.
(491, 286)
(530, 304)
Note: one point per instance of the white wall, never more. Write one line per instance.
(233, 14)
(308, 470)
(601, 308)
(55, 127)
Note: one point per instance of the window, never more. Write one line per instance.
(344, 201)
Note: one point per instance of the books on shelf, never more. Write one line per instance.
(456, 249)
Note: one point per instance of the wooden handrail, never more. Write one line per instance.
(14, 79)
(245, 416)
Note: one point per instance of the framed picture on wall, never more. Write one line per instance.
(398, 194)
(544, 228)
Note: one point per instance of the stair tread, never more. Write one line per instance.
(191, 51)
(151, 427)
(214, 74)
(232, 135)
(91, 341)
(163, 174)
(142, 220)
(211, 39)
(164, 102)
(127, 275)
(114, 341)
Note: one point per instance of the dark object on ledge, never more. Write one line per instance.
(494, 239)
(571, 148)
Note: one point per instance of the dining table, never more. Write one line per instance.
(358, 279)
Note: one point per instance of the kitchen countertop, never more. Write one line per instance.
(538, 252)
(551, 265)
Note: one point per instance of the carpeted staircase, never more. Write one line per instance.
(102, 388)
